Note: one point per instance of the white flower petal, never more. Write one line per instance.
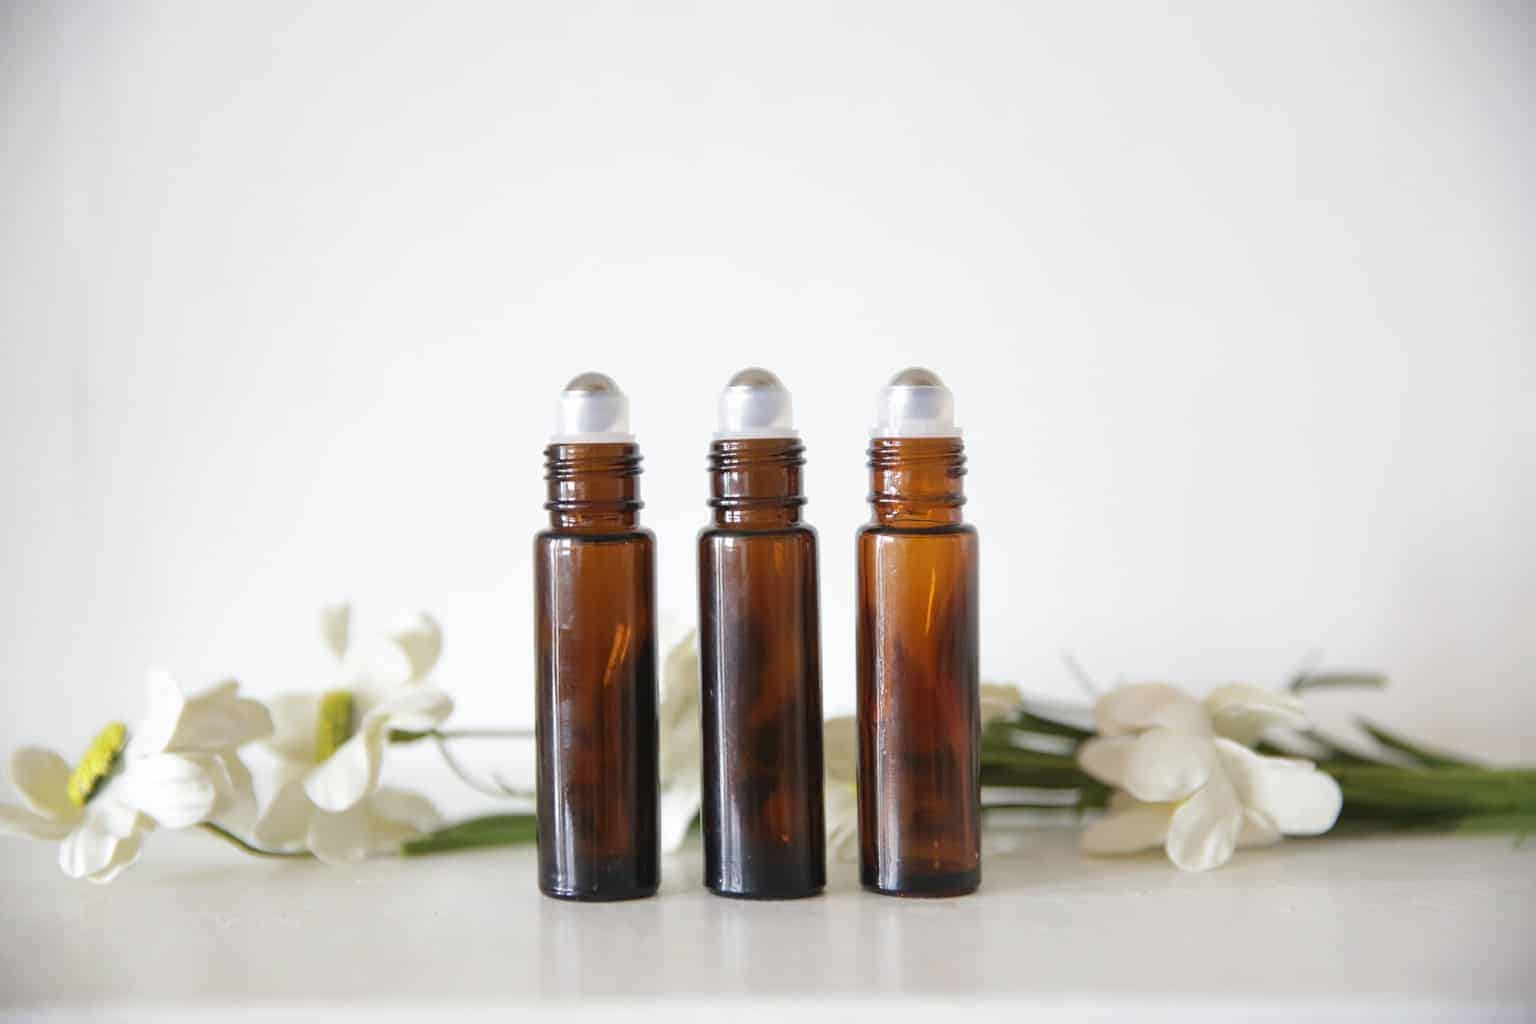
(1242, 713)
(352, 772)
(1104, 758)
(385, 834)
(294, 716)
(679, 804)
(123, 857)
(119, 819)
(1138, 827)
(1000, 702)
(422, 645)
(1291, 794)
(173, 789)
(1139, 706)
(1163, 765)
(840, 748)
(18, 821)
(219, 719)
(414, 708)
(842, 802)
(87, 850)
(163, 705)
(1257, 830)
(406, 808)
(336, 628)
(234, 805)
(284, 824)
(680, 675)
(677, 716)
(91, 848)
(395, 815)
(1203, 832)
(241, 812)
(42, 779)
(340, 839)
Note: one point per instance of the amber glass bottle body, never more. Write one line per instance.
(760, 665)
(918, 701)
(595, 679)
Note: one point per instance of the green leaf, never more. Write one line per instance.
(1029, 721)
(1003, 764)
(1513, 823)
(1336, 753)
(1423, 755)
(1390, 792)
(491, 830)
(406, 736)
(1337, 681)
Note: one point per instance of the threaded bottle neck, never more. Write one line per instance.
(593, 487)
(755, 482)
(916, 481)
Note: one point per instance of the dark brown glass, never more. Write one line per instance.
(918, 702)
(594, 633)
(760, 664)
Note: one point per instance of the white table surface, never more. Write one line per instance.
(1422, 928)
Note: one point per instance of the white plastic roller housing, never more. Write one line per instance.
(755, 403)
(592, 411)
(916, 404)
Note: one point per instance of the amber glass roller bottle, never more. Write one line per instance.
(918, 701)
(595, 643)
(760, 657)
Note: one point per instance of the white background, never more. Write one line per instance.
(1236, 302)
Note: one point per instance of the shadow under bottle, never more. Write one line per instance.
(918, 688)
(760, 664)
(594, 600)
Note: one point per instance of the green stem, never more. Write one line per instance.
(1420, 754)
(491, 830)
(1518, 824)
(1386, 791)
(405, 736)
(256, 851)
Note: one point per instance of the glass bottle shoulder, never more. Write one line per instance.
(628, 535)
(781, 530)
(917, 530)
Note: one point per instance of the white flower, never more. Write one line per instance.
(840, 760)
(1187, 780)
(1000, 701)
(682, 750)
(176, 768)
(332, 744)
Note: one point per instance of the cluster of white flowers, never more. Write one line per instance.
(1186, 778)
(176, 768)
(1184, 772)
(180, 765)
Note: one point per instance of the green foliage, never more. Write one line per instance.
(491, 830)
(1419, 789)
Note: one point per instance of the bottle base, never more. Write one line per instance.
(957, 883)
(766, 879)
(766, 896)
(572, 896)
(599, 880)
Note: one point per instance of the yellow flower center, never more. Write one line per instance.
(336, 723)
(96, 763)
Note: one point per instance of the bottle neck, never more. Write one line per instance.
(593, 488)
(754, 483)
(916, 481)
